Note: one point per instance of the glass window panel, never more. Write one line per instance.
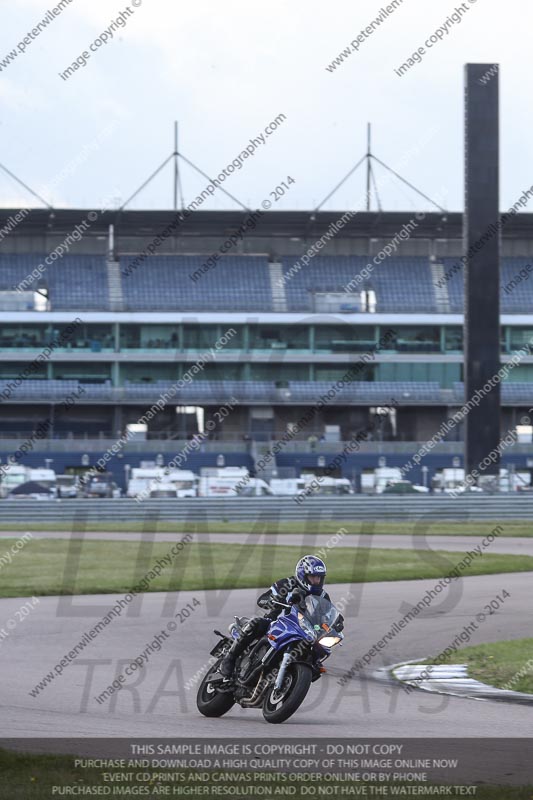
(13, 336)
(345, 338)
(520, 337)
(203, 337)
(279, 337)
(415, 339)
(9, 370)
(35, 337)
(220, 372)
(335, 373)
(85, 373)
(454, 338)
(149, 373)
(279, 372)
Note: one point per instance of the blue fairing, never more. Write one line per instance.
(306, 623)
(286, 628)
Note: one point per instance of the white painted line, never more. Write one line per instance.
(449, 679)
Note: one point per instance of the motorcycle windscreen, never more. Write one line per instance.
(319, 611)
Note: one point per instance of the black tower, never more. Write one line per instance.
(482, 268)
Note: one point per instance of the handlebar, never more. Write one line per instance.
(278, 603)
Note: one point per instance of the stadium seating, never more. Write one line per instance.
(242, 283)
(400, 284)
(512, 392)
(37, 390)
(519, 392)
(164, 282)
(305, 392)
(73, 282)
(78, 282)
(516, 285)
(15, 268)
(379, 392)
(454, 273)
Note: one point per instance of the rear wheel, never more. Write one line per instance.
(209, 701)
(280, 704)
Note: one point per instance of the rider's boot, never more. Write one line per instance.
(227, 665)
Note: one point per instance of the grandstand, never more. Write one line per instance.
(296, 334)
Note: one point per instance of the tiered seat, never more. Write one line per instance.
(514, 298)
(78, 282)
(305, 392)
(15, 268)
(97, 391)
(519, 392)
(454, 272)
(73, 282)
(400, 284)
(519, 296)
(368, 391)
(242, 283)
(164, 282)
(511, 392)
(38, 390)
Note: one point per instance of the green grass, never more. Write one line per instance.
(42, 567)
(31, 777)
(510, 527)
(508, 665)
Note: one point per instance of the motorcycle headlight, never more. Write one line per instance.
(329, 641)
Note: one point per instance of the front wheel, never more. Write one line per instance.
(280, 704)
(209, 701)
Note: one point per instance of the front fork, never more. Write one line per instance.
(289, 657)
(285, 661)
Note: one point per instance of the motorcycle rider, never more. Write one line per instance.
(308, 579)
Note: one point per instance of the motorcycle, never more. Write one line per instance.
(276, 671)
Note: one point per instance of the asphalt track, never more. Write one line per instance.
(156, 702)
(512, 544)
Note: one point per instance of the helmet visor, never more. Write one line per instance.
(315, 580)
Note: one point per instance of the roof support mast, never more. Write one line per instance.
(368, 162)
(179, 197)
(369, 157)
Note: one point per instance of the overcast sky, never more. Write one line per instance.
(225, 70)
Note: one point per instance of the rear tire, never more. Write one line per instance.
(209, 701)
(278, 710)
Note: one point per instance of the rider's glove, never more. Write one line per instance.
(295, 597)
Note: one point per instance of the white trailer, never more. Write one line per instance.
(287, 486)
(141, 479)
(15, 475)
(184, 481)
(232, 482)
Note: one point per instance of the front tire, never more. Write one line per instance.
(280, 705)
(209, 701)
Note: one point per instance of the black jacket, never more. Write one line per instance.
(279, 591)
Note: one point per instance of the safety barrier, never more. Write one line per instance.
(252, 509)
